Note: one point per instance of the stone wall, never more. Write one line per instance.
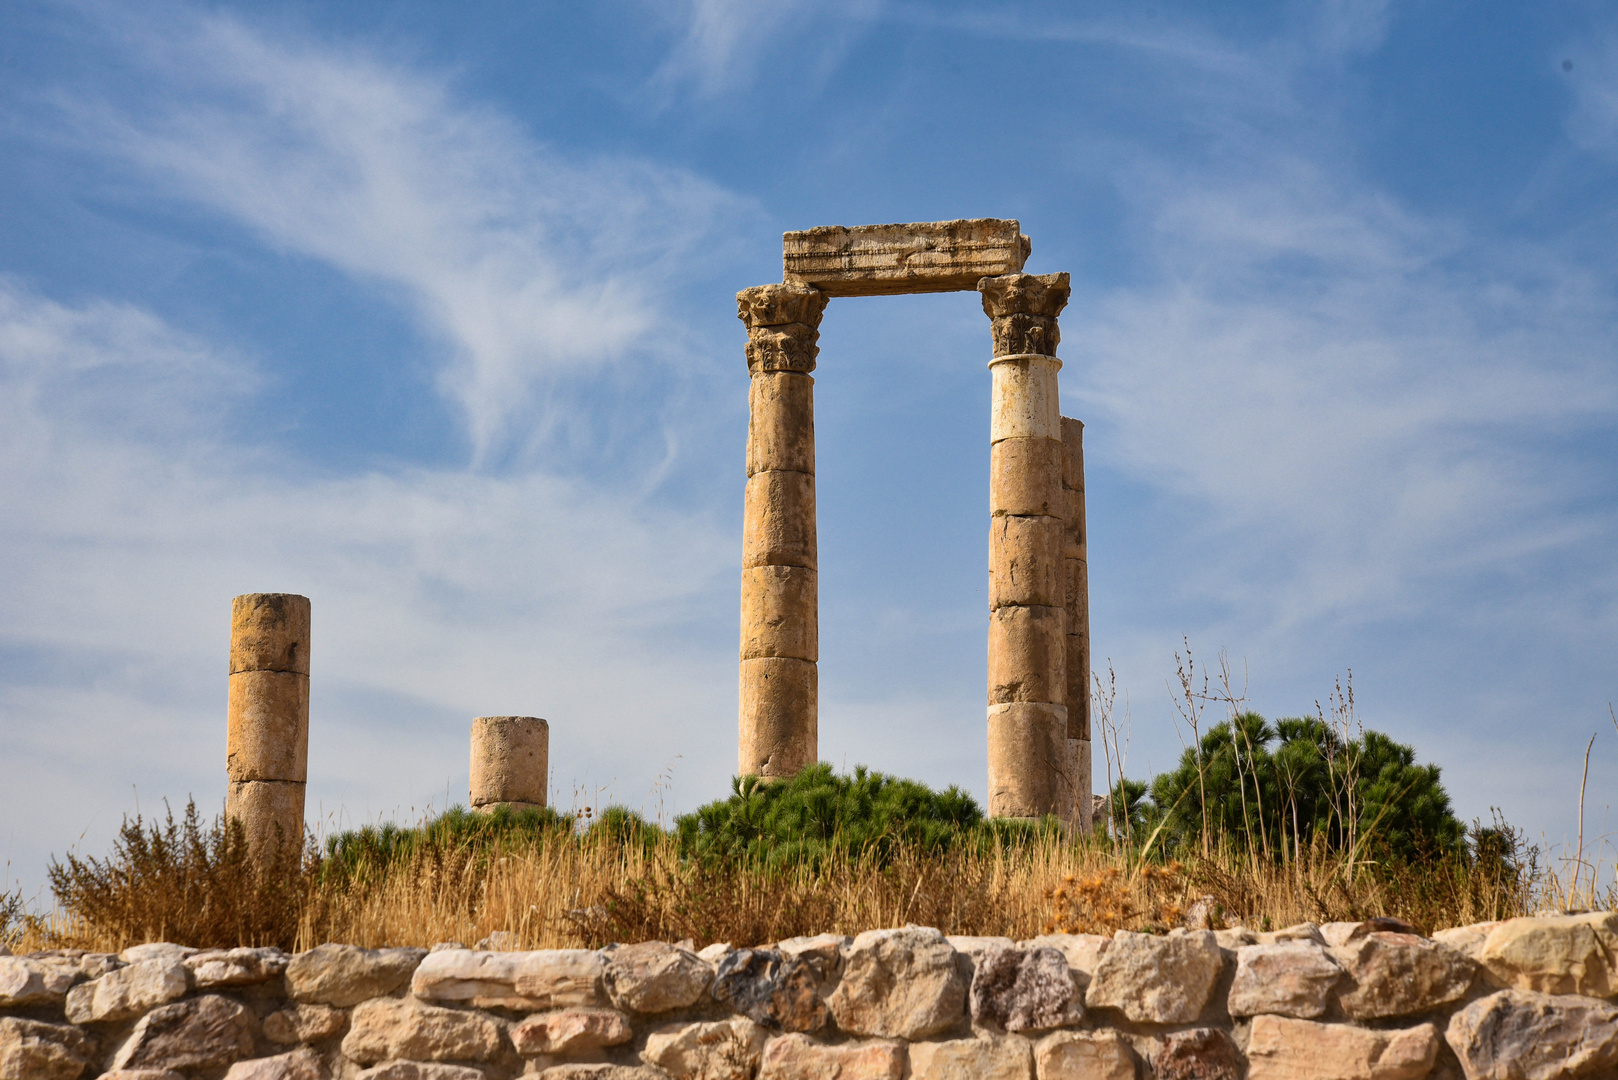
(1523, 998)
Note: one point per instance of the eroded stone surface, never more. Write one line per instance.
(1395, 974)
(822, 952)
(569, 1030)
(798, 1057)
(157, 950)
(235, 967)
(1524, 1035)
(1084, 1055)
(1466, 940)
(1557, 954)
(204, 1033)
(127, 992)
(772, 988)
(899, 984)
(26, 981)
(34, 1050)
(1281, 1048)
(721, 1050)
(304, 1023)
(391, 1028)
(655, 977)
(1003, 1057)
(876, 260)
(1293, 978)
(420, 1070)
(602, 1072)
(542, 979)
(1024, 989)
(140, 1074)
(301, 1064)
(1198, 1054)
(1161, 980)
(1083, 951)
(345, 975)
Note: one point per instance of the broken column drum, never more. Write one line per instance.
(267, 726)
(510, 762)
(1038, 639)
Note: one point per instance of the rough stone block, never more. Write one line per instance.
(781, 428)
(1084, 1055)
(1029, 774)
(128, 992)
(1026, 564)
(345, 975)
(722, 1050)
(267, 737)
(1025, 478)
(653, 977)
(1028, 656)
(1083, 951)
(510, 761)
(1004, 1057)
(1295, 978)
(542, 979)
(304, 1024)
(601, 1072)
(1524, 1035)
(775, 989)
(196, 1036)
(157, 950)
(1025, 404)
(779, 732)
(385, 1029)
(300, 1064)
(1391, 975)
(26, 981)
(235, 967)
(1559, 954)
(899, 984)
(1280, 1048)
(1160, 980)
(1197, 1054)
(568, 1031)
(780, 613)
(798, 1057)
(920, 257)
(778, 522)
(822, 952)
(35, 1050)
(269, 632)
(1024, 990)
(420, 1070)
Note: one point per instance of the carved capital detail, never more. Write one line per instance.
(793, 347)
(777, 305)
(1020, 335)
(1024, 294)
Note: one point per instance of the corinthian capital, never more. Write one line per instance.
(1023, 308)
(782, 326)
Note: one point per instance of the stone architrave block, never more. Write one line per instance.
(300, 1064)
(881, 260)
(798, 1057)
(568, 1031)
(529, 981)
(199, 1035)
(653, 977)
(384, 1029)
(1280, 1048)
(1024, 990)
(719, 1050)
(1159, 980)
(1294, 978)
(345, 975)
(1559, 954)
(990, 1057)
(1391, 974)
(899, 984)
(128, 992)
(1084, 1055)
(1525, 1035)
(36, 1050)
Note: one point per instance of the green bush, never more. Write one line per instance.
(373, 848)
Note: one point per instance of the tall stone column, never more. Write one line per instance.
(1029, 765)
(780, 638)
(510, 762)
(267, 726)
(1077, 579)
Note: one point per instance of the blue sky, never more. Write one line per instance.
(429, 316)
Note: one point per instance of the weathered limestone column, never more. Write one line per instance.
(780, 638)
(510, 762)
(267, 726)
(1077, 579)
(1029, 765)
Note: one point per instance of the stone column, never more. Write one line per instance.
(780, 638)
(267, 726)
(1029, 769)
(510, 762)
(1077, 579)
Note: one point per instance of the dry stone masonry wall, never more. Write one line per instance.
(1525, 999)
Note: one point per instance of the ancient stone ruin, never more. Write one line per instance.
(267, 725)
(510, 762)
(1039, 645)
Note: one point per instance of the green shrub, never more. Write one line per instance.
(374, 848)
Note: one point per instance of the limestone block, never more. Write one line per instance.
(780, 304)
(880, 260)
(345, 975)
(195, 1036)
(772, 988)
(781, 424)
(822, 952)
(780, 612)
(1084, 1055)
(384, 1029)
(269, 632)
(1392, 975)
(27, 981)
(420, 1070)
(157, 950)
(271, 811)
(568, 1031)
(35, 1050)
(778, 523)
(899, 984)
(1028, 656)
(304, 1023)
(1021, 333)
(1280, 1048)
(1033, 294)
(1003, 1057)
(542, 979)
(267, 733)
(779, 717)
(510, 760)
(1467, 940)
(1558, 954)
(1025, 478)
(1160, 980)
(235, 967)
(1026, 565)
(1197, 1054)
(1083, 952)
(968, 948)
(1029, 771)
(128, 992)
(793, 347)
(798, 1057)
(653, 976)
(601, 1072)
(1524, 1035)
(137, 1074)
(1025, 990)
(300, 1064)
(1024, 404)
(721, 1050)
(1073, 458)
(1295, 978)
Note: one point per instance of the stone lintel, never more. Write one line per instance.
(884, 260)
